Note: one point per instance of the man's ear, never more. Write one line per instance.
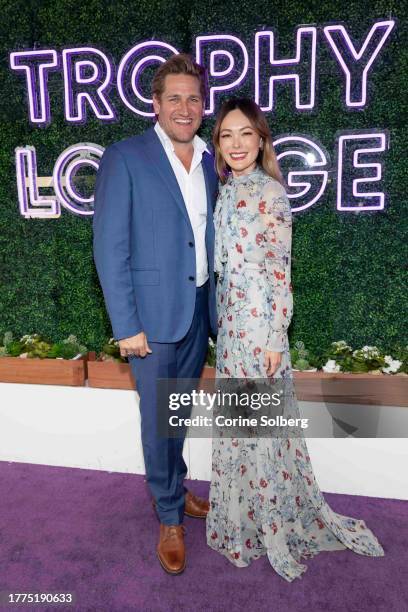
(156, 104)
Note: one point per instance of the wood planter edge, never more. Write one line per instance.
(70, 372)
(109, 374)
(341, 388)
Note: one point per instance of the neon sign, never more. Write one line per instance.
(349, 196)
(93, 88)
(34, 206)
(89, 77)
(304, 62)
(354, 170)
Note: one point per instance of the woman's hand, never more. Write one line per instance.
(272, 362)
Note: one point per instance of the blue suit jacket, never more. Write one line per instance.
(144, 243)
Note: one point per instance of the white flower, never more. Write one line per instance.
(331, 366)
(211, 342)
(341, 344)
(70, 340)
(393, 365)
(370, 351)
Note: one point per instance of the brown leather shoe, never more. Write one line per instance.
(194, 506)
(170, 549)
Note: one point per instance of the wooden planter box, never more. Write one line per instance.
(344, 388)
(116, 375)
(381, 390)
(109, 374)
(43, 371)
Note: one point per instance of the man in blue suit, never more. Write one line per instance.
(153, 250)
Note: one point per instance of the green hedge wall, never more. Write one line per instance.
(348, 269)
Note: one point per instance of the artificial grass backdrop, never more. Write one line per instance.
(348, 269)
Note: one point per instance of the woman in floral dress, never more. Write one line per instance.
(264, 496)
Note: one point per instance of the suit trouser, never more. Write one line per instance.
(163, 457)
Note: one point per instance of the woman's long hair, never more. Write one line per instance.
(266, 156)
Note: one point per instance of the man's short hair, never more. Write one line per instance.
(179, 64)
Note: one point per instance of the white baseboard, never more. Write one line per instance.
(99, 429)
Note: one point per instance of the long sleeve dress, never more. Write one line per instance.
(264, 498)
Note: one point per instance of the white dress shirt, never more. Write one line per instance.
(192, 187)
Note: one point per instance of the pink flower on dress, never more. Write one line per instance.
(269, 254)
(251, 515)
(241, 204)
(298, 453)
(242, 334)
(274, 528)
(236, 555)
(257, 350)
(244, 232)
(248, 543)
(254, 312)
(262, 207)
(263, 483)
(320, 523)
(243, 469)
(259, 239)
(239, 248)
(214, 535)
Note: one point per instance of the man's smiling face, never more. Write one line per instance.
(180, 107)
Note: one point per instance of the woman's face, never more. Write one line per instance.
(239, 143)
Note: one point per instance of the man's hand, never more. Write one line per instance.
(136, 345)
(272, 362)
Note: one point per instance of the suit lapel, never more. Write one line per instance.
(160, 162)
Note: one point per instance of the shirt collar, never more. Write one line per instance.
(198, 143)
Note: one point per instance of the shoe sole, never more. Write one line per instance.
(199, 516)
(169, 571)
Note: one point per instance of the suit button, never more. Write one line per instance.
(191, 278)
(191, 244)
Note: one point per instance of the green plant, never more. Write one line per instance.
(301, 357)
(36, 346)
(211, 353)
(111, 352)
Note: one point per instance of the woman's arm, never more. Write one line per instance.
(277, 221)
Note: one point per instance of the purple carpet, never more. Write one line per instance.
(94, 533)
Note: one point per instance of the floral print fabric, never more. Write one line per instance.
(264, 496)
